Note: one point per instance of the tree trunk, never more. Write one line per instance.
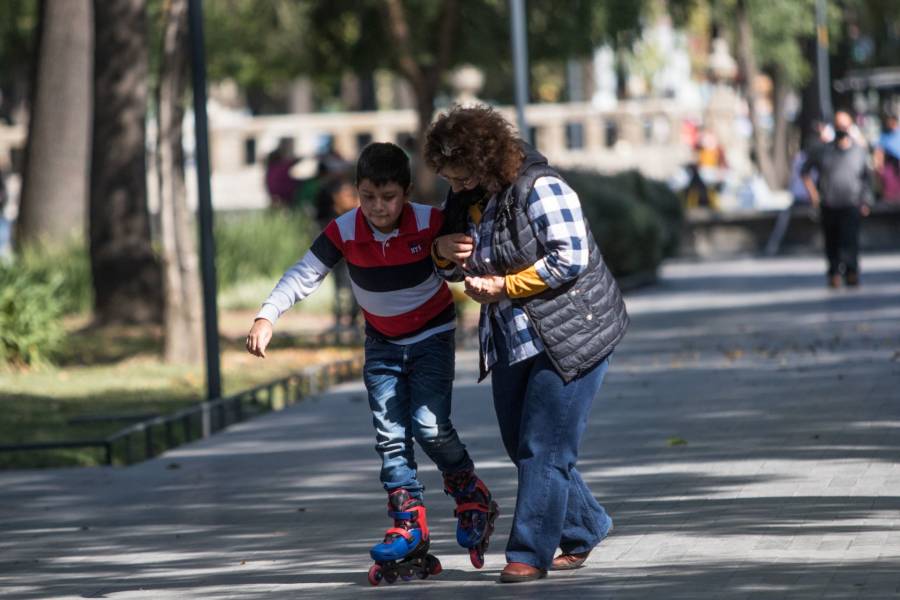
(55, 184)
(426, 186)
(781, 155)
(748, 66)
(183, 319)
(126, 273)
(424, 79)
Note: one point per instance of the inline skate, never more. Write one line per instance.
(476, 512)
(404, 551)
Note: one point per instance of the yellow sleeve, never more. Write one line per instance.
(525, 283)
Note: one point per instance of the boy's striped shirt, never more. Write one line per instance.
(392, 275)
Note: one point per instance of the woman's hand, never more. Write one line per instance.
(487, 289)
(259, 337)
(456, 247)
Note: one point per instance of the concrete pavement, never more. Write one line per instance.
(747, 444)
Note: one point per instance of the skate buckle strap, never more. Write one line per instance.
(401, 532)
(467, 506)
(403, 515)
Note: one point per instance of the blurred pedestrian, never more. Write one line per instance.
(5, 224)
(336, 195)
(887, 159)
(843, 195)
(280, 184)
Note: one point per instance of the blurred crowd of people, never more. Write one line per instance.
(322, 188)
(706, 178)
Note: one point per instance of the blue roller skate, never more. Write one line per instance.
(476, 511)
(404, 551)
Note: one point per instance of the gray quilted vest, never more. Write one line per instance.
(580, 322)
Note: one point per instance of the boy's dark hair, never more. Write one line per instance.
(383, 162)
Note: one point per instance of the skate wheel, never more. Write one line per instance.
(406, 577)
(477, 557)
(375, 574)
(390, 577)
(434, 566)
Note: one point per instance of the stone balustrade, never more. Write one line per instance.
(645, 135)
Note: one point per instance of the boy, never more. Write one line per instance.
(409, 355)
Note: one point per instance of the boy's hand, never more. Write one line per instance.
(259, 337)
(455, 246)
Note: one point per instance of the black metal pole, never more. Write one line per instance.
(204, 197)
(823, 71)
(520, 63)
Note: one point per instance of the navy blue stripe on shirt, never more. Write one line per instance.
(326, 251)
(392, 278)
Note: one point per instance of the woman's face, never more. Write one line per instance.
(459, 178)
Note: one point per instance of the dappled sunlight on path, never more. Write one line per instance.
(746, 444)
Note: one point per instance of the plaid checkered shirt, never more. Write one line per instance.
(554, 212)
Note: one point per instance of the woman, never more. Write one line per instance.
(551, 314)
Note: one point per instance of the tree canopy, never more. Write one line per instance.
(263, 45)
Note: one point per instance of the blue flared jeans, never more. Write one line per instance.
(542, 420)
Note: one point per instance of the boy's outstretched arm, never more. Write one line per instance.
(297, 283)
(259, 337)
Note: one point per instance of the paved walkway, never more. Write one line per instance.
(746, 444)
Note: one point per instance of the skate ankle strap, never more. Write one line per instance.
(398, 531)
(466, 506)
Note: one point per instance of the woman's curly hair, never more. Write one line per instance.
(479, 140)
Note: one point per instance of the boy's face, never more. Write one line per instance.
(382, 204)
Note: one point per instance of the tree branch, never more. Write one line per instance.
(449, 24)
(398, 28)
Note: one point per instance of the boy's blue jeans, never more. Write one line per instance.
(409, 394)
(541, 420)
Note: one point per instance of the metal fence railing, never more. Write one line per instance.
(148, 438)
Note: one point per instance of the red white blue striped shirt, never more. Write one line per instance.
(392, 275)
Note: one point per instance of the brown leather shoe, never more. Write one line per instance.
(565, 562)
(834, 281)
(516, 572)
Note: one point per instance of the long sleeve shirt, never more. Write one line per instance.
(392, 275)
(844, 176)
(554, 212)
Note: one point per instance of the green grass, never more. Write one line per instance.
(255, 245)
(119, 371)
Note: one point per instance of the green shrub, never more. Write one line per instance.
(636, 221)
(30, 310)
(71, 263)
(662, 200)
(259, 244)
